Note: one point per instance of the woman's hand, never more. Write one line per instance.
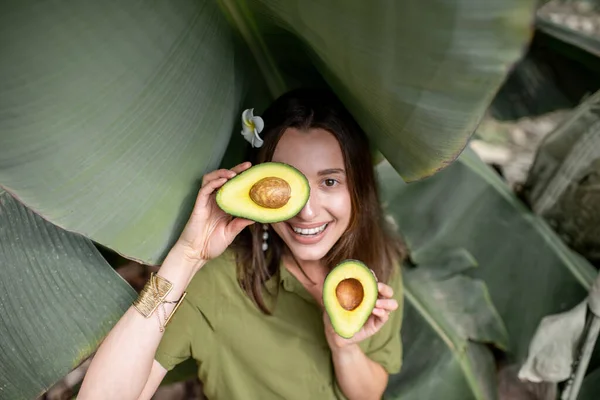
(383, 307)
(209, 229)
(358, 376)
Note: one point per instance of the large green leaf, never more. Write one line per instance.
(418, 75)
(448, 319)
(112, 111)
(562, 184)
(58, 298)
(529, 271)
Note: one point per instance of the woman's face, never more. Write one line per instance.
(326, 216)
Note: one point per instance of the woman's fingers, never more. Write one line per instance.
(386, 304)
(221, 174)
(215, 179)
(382, 310)
(379, 312)
(381, 318)
(236, 225)
(241, 167)
(204, 194)
(383, 306)
(217, 174)
(385, 290)
(225, 173)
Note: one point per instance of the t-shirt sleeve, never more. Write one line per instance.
(175, 345)
(385, 346)
(190, 333)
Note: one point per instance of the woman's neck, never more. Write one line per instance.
(309, 273)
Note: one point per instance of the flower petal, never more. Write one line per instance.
(251, 127)
(248, 134)
(247, 115)
(247, 130)
(258, 142)
(259, 124)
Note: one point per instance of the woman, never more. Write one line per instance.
(253, 319)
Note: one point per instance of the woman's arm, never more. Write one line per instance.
(122, 364)
(357, 375)
(124, 361)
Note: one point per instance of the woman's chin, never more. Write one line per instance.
(308, 254)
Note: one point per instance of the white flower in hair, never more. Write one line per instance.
(251, 127)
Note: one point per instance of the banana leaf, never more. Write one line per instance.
(528, 270)
(111, 112)
(449, 322)
(58, 299)
(562, 185)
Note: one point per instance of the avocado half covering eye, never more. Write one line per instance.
(266, 193)
(349, 295)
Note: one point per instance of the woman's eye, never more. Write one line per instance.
(330, 182)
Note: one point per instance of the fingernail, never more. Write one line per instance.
(373, 272)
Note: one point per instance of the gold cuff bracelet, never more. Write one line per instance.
(153, 295)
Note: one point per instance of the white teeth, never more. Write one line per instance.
(312, 231)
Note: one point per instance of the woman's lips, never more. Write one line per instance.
(308, 239)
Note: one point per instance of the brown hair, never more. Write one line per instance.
(368, 237)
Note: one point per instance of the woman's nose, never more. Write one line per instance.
(310, 209)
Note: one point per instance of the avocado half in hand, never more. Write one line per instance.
(349, 295)
(266, 193)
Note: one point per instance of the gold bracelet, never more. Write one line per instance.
(175, 309)
(153, 295)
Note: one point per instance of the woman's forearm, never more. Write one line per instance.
(122, 363)
(359, 377)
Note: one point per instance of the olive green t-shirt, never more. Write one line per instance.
(244, 354)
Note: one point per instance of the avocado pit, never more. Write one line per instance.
(271, 192)
(350, 293)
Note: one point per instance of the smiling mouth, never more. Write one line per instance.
(310, 232)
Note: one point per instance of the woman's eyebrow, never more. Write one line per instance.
(331, 171)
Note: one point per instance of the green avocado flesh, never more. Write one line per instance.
(266, 193)
(349, 295)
